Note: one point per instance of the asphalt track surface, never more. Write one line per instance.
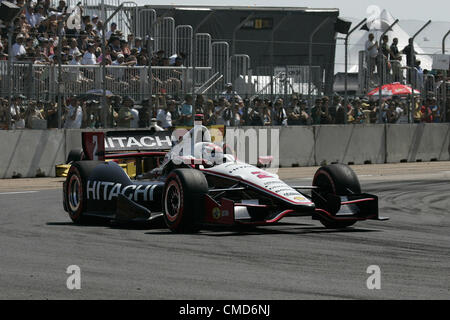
(297, 259)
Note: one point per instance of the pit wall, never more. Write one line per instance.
(34, 153)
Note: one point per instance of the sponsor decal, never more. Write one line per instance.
(103, 190)
(261, 174)
(216, 213)
(300, 198)
(137, 142)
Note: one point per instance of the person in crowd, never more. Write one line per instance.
(137, 44)
(229, 93)
(223, 113)
(410, 58)
(209, 114)
(89, 57)
(113, 29)
(174, 110)
(371, 47)
(254, 117)
(279, 117)
(73, 114)
(385, 55)
(337, 110)
(199, 104)
(32, 113)
(395, 58)
(435, 110)
(126, 116)
(17, 113)
(51, 114)
(325, 117)
(316, 111)
(186, 118)
(164, 117)
(18, 49)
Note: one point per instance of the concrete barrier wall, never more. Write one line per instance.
(297, 147)
(417, 142)
(349, 144)
(31, 153)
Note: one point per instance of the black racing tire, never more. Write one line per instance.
(184, 199)
(75, 155)
(75, 189)
(335, 180)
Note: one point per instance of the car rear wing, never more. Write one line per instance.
(100, 145)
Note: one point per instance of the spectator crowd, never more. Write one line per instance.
(164, 111)
(41, 29)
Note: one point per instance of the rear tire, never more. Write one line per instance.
(75, 155)
(75, 189)
(334, 180)
(184, 199)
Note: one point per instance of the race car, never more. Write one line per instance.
(194, 182)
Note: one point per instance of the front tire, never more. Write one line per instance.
(183, 200)
(333, 181)
(75, 189)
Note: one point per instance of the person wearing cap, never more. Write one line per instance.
(126, 117)
(18, 49)
(229, 94)
(89, 56)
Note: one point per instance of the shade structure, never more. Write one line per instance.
(393, 89)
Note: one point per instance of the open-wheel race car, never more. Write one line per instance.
(194, 182)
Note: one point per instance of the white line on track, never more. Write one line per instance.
(18, 192)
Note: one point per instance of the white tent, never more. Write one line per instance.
(377, 26)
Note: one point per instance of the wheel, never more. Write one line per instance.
(75, 189)
(183, 200)
(75, 155)
(333, 181)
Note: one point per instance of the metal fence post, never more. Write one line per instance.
(380, 63)
(346, 64)
(311, 37)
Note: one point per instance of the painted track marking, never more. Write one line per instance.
(18, 192)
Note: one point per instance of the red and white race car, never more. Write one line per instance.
(196, 182)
